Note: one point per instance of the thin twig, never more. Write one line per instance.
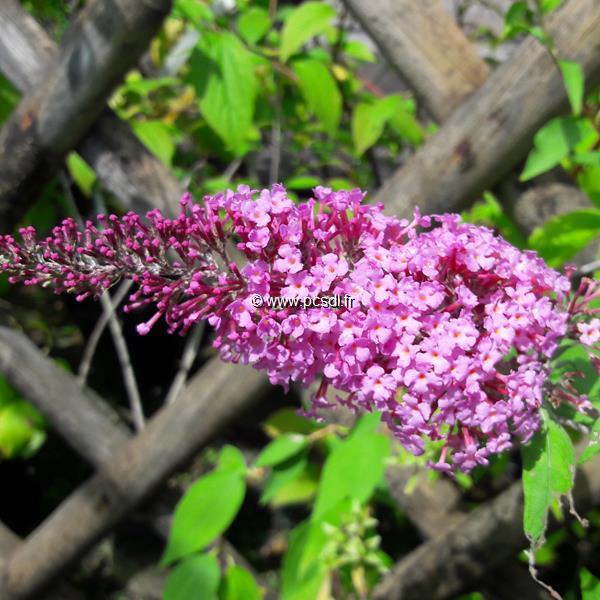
(187, 358)
(232, 168)
(114, 324)
(135, 401)
(589, 267)
(94, 339)
(129, 380)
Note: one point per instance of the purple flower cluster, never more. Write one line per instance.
(450, 332)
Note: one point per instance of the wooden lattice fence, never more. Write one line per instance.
(488, 120)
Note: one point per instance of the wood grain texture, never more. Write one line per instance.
(462, 554)
(421, 40)
(493, 129)
(103, 43)
(213, 397)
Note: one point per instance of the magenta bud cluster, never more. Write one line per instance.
(449, 334)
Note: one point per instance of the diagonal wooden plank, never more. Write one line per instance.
(421, 40)
(449, 563)
(83, 419)
(103, 43)
(212, 398)
(492, 130)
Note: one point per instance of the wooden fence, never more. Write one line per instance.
(487, 122)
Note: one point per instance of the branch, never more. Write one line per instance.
(492, 130)
(189, 355)
(104, 42)
(472, 547)
(421, 40)
(90, 348)
(211, 399)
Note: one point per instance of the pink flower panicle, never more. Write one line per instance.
(450, 334)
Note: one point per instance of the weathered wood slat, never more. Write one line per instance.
(443, 566)
(104, 42)
(492, 130)
(8, 542)
(79, 415)
(123, 164)
(210, 401)
(421, 40)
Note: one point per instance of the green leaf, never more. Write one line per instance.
(561, 237)
(301, 575)
(22, 427)
(205, 512)
(253, 24)
(320, 92)
(194, 10)
(593, 447)
(407, 126)
(238, 584)
(231, 460)
(369, 119)
(518, 19)
(222, 73)
(156, 136)
(548, 6)
(306, 21)
(573, 77)
(356, 49)
(589, 181)
(301, 489)
(82, 173)
(352, 470)
(281, 449)
(142, 86)
(548, 471)
(590, 585)
(555, 141)
(588, 159)
(21, 430)
(283, 474)
(302, 182)
(287, 420)
(489, 212)
(196, 577)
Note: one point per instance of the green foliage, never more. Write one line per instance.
(548, 472)
(302, 24)
(222, 74)
(22, 427)
(574, 83)
(195, 577)
(208, 508)
(281, 449)
(320, 92)
(561, 237)
(353, 470)
(590, 585)
(238, 584)
(369, 120)
(282, 474)
(338, 537)
(81, 172)
(489, 212)
(253, 24)
(558, 140)
(156, 136)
